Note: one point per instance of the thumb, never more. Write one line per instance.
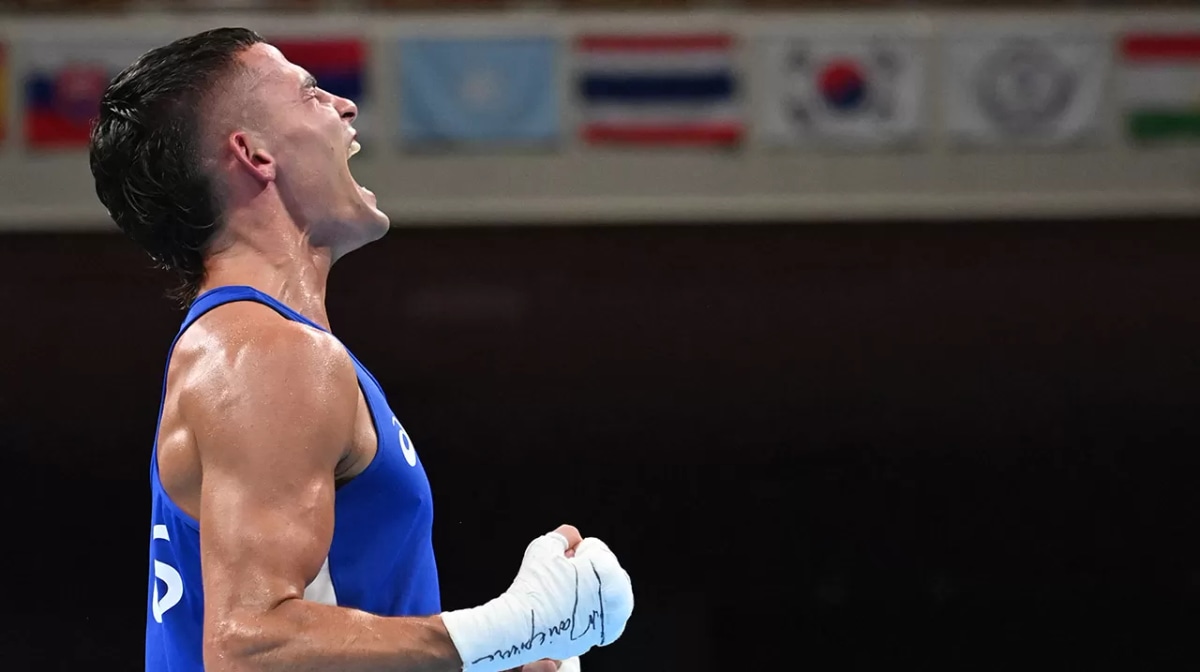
(555, 544)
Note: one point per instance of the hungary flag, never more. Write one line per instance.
(1161, 82)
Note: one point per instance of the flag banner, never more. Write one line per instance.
(1160, 86)
(64, 81)
(339, 64)
(658, 89)
(489, 91)
(851, 90)
(1025, 88)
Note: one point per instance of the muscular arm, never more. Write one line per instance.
(271, 421)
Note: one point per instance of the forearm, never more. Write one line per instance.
(302, 636)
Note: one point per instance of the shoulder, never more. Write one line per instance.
(244, 367)
(253, 341)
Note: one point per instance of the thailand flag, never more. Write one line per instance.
(659, 89)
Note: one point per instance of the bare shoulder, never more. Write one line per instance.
(246, 374)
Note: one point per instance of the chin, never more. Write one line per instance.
(360, 231)
(380, 224)
(370, 211)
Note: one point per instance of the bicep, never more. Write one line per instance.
(264, 534)
(268, 455)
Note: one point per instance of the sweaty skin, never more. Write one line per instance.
(263, 417)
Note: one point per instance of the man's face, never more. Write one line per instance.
(309, 134)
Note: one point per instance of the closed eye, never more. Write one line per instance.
(308, 88)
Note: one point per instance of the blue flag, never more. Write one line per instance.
(478, 91)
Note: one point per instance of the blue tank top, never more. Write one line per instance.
(381, 559)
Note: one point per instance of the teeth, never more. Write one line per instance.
(354, 147)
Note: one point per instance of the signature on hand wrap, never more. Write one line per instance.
(568, 626)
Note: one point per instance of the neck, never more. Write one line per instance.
(289, 270)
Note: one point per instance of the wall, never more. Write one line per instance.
(816, 447)
(753, 184)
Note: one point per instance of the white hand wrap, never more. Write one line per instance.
(556, 608)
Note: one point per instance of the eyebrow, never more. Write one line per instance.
(310, 82)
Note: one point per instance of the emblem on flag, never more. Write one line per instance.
(1161, 86)
(658, 89)
(847, 90)
(1010, 87)
(1023, 85)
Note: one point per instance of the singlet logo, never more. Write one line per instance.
(406, 446)
(168, 575)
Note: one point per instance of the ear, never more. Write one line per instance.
(252, 157)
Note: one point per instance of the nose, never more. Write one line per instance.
(347, 109)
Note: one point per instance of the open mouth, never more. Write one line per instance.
(355, 148)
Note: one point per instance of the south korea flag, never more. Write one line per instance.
(853, 90)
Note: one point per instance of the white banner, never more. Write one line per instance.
(44, 190)
(853, 89)
(1020, 88)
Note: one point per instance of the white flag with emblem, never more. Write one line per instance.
(851, 88)
(1013, 87)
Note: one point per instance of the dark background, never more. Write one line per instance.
(830, 447)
